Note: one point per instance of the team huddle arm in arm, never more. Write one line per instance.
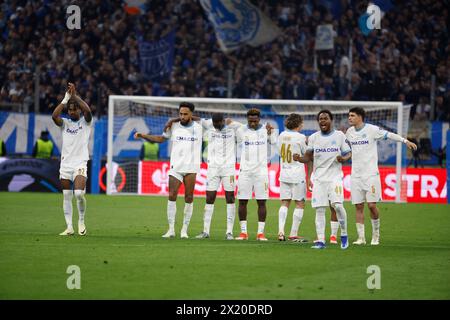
(151, 138)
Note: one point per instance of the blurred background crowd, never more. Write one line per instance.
(407, 60)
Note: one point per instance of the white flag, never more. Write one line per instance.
(238, 22)
(324, 37)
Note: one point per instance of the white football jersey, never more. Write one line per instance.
(364, 149)
(221, 144)
(326, 147)
(290, 143)
(186, 147)
(75, 141)
(254, 149)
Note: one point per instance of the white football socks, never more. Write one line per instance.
(360, 230)
(67, 207)
(376, 227)
(342, 218)
(334, 227)
(171, 213)
(320, 224)
(81, 204)
(243, 224)
(296, 220)
(209, 209)
(231, 213)
(188, 208)
(261, 226)
(282, 214)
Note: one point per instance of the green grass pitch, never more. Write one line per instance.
(124, 257)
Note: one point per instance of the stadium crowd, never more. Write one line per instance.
(395, 63)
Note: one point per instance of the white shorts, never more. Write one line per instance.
(366, 189)
(179, 175)
(292, 191)
(70, 172)
(324, 193)
(247, 183)
(216, 175)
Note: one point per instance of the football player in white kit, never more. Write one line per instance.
(292, 178)
(185, 159)
(365, 177)
(328, 148)
(74, 155)
(253, 171)
(221, 169)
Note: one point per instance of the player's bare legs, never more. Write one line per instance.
(360, 224)
(334, 226)
(374, 215)
(189, 185)
(79, 186)
(262, 213)
(66, 186)
(242, 211)
(174, 186)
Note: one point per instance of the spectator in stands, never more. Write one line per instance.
(412, 46)
(442, 109)
(423, 110)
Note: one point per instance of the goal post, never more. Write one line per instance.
(149, 113)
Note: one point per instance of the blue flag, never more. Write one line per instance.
(238, 22)
(156, 57)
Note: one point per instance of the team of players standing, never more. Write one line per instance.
(326, 150)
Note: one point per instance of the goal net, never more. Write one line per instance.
(133, 174)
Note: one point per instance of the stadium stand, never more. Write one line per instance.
(103, 57)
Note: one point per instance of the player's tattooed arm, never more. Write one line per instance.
(83, 105)
(148, 137)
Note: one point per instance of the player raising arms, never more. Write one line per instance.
(253, 171)
(365, 178)
(292, 175)
(328, 148)
(74, 155)
(185, 159)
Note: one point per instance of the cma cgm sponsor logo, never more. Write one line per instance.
(358, 143)
(326, 150)
(221, 136)
(74, 131)
(181, 138)
(254, 143)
